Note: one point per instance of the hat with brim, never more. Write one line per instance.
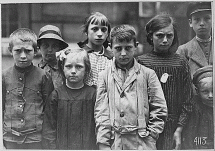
(195, 7)
(201, 73)
(52, 32)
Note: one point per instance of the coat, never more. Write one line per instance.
(194, 54)
(24, 94)
(136, 106)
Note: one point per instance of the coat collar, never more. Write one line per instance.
(197, 54)
(42, 65)
(134, 71)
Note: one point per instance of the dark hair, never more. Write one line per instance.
(81, 53)
(25, 35)
(158, 22)
(123, 33)
(96, 18)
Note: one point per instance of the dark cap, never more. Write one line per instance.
(206, 71)
(195, 7)
(52, 32)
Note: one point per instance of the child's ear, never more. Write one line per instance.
(197, 91)
(10, 50)
(190, 22)
(109, 44)
(137, 43)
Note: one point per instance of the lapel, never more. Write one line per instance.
(197, 54)
(132, 76)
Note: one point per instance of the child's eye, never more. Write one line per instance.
(45, 45)
(95, 29)
(104, 29)
(68, 66)
(17, 50)
(118, 48)
(128, 48)
(169, 36)
(79, 67)
(160, 36)
(28, 50)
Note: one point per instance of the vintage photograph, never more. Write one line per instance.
(100, 75)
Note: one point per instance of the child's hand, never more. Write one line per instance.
(177, 138)
(104, 147)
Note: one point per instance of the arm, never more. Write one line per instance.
(157, 106)
(186, 107)
(101, 114)
(50, 122)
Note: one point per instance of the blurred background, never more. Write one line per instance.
(69, 17)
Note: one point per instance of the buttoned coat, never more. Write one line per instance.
(195, 55)
(140, 97)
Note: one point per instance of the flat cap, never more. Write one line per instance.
(206, 71)
(195, 7)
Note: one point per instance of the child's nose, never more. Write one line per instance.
(23, 55)
(73, 70)
(123, 52)
(210, 95)
(99, 33)
(165, 39)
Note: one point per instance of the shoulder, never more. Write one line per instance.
(7, 71)
(89, 88)
(186, 46)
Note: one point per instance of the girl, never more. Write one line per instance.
(97, 28)
(69, 121)
(174, 74)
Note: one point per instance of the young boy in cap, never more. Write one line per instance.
(198, 51)
(25, 89)
(200, 132)
(130, 108)
(49, 42)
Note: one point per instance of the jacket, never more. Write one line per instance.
(138, 104)
(194, 54)
(24, 94)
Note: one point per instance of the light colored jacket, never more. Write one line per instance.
(138, 104)
(194, 54)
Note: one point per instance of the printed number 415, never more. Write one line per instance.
(200, 140)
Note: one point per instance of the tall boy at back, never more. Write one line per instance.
(198, 51)
(130, 108)
(25, 88)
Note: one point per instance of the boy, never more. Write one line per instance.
(130, 108)
(200, 132)
(24, 92)
(198, 51)
(49, 42)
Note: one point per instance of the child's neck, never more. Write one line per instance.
(96, 48)
(25, 69)
(78, 85)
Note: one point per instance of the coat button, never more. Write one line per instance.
(20, 93)
(122, 114)
(22, 120)
(20, 79)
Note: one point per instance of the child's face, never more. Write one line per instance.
(74, 69)
(97, 34)
(48, 49)
(123, 52)
(163, 38)
(205, 90)
(23, 53)
(201, 23)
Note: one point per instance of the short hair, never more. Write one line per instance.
(123, 33)
(25, 35)
(81, 53)
(158, 22)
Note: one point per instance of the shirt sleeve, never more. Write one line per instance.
(186, 106)
(50, 121)
(101, 112)
(157, 106)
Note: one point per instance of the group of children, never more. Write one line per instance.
(104, 95)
